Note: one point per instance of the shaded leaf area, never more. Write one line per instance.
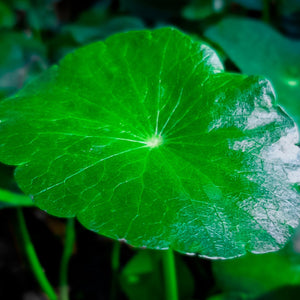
(256, 48)
(85, 32)
(197, 10)
(7, 17)
(254, 276)
(154, 9)
(21, 58)
(141, 277)
(175, 154)
(35, 14)
(94, 24)
(250, 4)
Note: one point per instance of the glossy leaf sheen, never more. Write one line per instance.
(256, 48)
(144, 138)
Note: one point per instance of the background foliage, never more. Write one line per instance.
(251, 37)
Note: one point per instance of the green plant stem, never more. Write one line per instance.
(170, 275)
(67, 253)
(115, 258)
(33, 259)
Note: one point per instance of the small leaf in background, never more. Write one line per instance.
(94, 24)
(154, 9)
(142, 277)
(10, 199)
(199, 9)
(7, 17)
(21, 58)
(256, 48)
(250, 4)
(256, 275)
(37, 14)
(83, 34)
(158, 147)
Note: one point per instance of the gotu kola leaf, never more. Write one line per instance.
(145, 138)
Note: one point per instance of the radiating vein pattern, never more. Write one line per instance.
(145, 138)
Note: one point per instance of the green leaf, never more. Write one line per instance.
(255, 275)
(7, 18)
(256, 48)
(141, 277)
(201, 9)
(145, 138)
(250, 4)
(38, 14)
(86, 33)
(10, 199)
(198, 9)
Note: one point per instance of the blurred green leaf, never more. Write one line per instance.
(18, 4)
(142, 277)
(94, 24)
(21, 59)
(256, 48)
(200, 9)
(7, 16)
(83, 34)
(10, 199)
(255, 274)
(39, 14)
(250, 4)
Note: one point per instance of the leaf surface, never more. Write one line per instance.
(256, 48)
(145, 138)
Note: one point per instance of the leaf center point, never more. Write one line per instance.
(154, 141)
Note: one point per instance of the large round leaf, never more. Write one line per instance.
(144, 138)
